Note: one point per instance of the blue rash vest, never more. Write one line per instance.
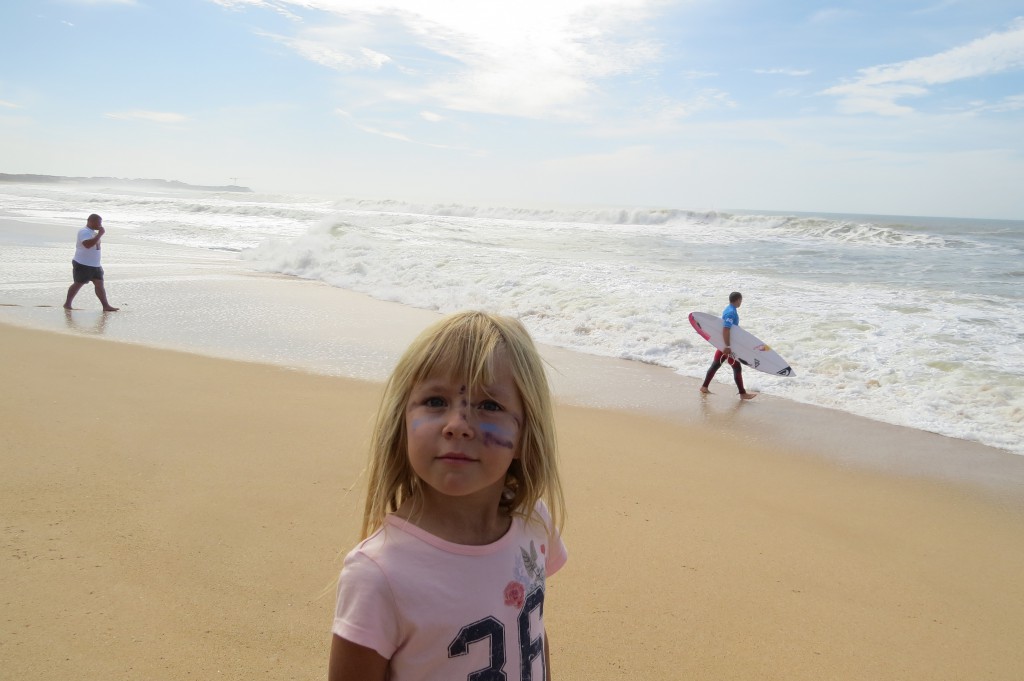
(730, 317)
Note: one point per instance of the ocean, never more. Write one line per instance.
(913, 321)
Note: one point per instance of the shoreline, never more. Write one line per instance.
(270, 318)
(187, 515)
(366, 337)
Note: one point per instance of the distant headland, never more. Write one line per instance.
(118, 182)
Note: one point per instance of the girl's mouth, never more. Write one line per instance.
(459, 458)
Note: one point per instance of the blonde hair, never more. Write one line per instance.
(466, 344)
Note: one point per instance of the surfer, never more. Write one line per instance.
(730, 318)
(86, 264)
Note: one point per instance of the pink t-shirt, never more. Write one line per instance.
(441, 611)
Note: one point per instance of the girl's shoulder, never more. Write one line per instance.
(539, 514)
(539, 524)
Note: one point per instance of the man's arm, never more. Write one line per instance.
(726, 332)
(89, 243)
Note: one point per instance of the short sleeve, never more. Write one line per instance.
(556, 553)
(365, 613)
(730, 317)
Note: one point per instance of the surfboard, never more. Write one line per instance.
(748, 348)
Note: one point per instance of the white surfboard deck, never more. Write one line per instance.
(748, 348)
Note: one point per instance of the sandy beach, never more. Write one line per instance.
(169, 515)
(180, 480)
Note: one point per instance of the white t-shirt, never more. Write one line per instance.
(83, 255)
(441, 611)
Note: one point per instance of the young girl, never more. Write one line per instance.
(448, 582)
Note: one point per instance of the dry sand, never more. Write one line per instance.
(172, 516)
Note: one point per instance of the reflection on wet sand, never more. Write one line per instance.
(82, 321)
(721, 415)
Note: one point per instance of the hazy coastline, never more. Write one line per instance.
(139, 183)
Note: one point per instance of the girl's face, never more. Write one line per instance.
(461, 445)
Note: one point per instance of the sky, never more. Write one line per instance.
(888, 107)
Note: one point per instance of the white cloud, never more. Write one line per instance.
(431, 116)
(164, 117)
(532, 58)
(788, 92)
(9, 105)
(390, 134)
(1011, 103)
(321, 52)
(703, 101)
(275, 6)
(696, 75)
(877, 88)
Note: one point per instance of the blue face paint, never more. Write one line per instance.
(495, 435)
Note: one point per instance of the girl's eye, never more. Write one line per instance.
(490, 405)
(434, 402)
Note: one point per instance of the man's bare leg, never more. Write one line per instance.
(101, 293)
(72, 291)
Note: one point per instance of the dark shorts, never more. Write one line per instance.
(83, 274)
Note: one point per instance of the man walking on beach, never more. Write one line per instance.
(86, 265)
(730, 318)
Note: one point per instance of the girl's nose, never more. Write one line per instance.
(458, 425)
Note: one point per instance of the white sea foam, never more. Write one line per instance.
(912, 321)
